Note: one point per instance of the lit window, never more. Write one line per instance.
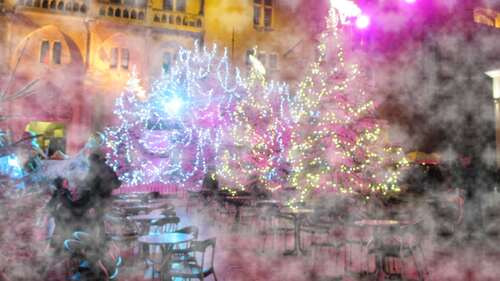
(125, 57)
(56, 53)
(114, 58)
(263, 13)
(44, 52)
(167, 61)
(180, 5)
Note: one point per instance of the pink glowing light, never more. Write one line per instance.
(410, 1)
(346, 9)
(362, 21)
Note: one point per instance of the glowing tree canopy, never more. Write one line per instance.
(172, 135)
(256, 143)
(336, 142)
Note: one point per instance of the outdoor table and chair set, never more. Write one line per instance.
(147, 228)
(373, 246)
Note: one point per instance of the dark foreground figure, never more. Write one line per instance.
(84, 214)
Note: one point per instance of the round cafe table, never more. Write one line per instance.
(269, 202)
(144, 220)
(147, 207)
(297, 215)
(125, 202)
(168, 238)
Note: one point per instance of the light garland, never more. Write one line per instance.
(336, 138)
(259, 136)
(172, 136)
(204, 117)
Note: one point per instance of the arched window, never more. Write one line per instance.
(56, 53)
(83, 9)
(167, 61)
(133, 14)
(125, 13)
(44, 52)
(102, 11)
(76, 7)
(171, 19)
(125, 57)
(110, 12)
(156, 18)
(118, 13)
(60, 6)
(113, 58)
(185, 21)
(141, 15)
(53, 4)
(164, 18)
(68, 6)
(45, 4)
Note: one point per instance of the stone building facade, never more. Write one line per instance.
(81, 52)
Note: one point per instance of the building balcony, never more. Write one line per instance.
(175, 20)
(55, 6)
(129, 12)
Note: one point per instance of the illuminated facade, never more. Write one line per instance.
(82, 51)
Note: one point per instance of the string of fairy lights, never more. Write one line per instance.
(173, 134)
(204, 117)
(336, 139)
(258, 137)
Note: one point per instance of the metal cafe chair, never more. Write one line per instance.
(153, 252)
(123, 233)
(203, 267)
(403, 243)
(444, 233)
(324, 240)
(182, 252)
(267, 221)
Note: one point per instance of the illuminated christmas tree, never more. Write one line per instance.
(173, 134)
(256, 143)
(336, 140)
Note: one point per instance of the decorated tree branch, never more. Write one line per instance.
(173, 134)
